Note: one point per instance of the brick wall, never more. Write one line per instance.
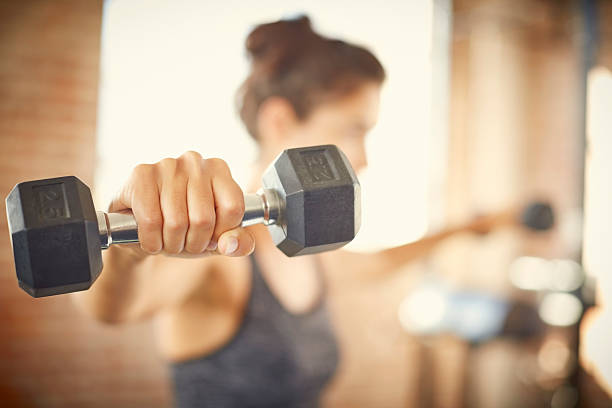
(50, 356)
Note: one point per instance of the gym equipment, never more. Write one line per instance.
(310, 201)
(538, 216)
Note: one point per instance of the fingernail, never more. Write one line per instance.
(231, 245)
(212, 245)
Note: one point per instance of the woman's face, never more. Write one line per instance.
(344, 122)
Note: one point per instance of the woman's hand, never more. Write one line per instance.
(186, 206)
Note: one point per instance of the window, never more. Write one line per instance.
(170, 71)
(597, 218)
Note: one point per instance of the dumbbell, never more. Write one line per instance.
(537, 216)
(310, 201)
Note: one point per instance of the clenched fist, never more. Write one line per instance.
(188, 205)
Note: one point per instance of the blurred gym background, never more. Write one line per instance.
(488, 104)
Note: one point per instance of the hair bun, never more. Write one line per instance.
(291, 61)
(276, 39)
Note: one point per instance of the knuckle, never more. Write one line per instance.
(202, 221)
(168, 164)
(150, 221)
(143, 171)
(191, 155)
(233, 209)
(175, 224)
(217, 163)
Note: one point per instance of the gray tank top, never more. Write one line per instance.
(276, 359)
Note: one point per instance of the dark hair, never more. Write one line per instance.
(290, 60)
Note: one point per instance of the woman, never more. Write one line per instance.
(244, 330)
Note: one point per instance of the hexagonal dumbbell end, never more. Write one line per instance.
(54, 233)
(321, 197)
(310, 202)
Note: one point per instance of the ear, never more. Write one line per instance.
(276, 120)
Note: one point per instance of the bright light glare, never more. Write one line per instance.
(554, 356)
(560, 309)
(566, 275)
(530, 273)
(170, 70)
(423, 311)
(533, 273)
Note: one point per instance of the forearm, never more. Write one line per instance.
(395, 257)
(387, 260)
(113, 296)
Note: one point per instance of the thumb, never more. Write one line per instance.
(236, 242)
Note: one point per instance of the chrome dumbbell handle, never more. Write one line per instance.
(264, 207)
